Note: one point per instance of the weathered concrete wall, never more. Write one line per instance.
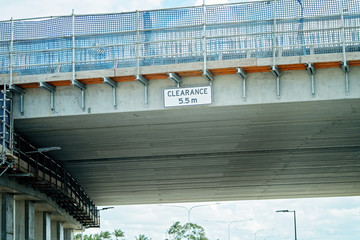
(295, 86)
(7, 216)
(19, 219)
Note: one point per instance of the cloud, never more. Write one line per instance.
(322, 218)
(38, 8)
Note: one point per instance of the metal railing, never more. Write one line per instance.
(6, 130)
(22, 160)
(261, 29)
(49, 176)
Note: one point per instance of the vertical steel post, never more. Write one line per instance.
(11, 51)
(343, 30)
(244, 89)
(146, 89)
(295, 225)
(345, 64)
(11, 124)
(137, 42)
(313, 84)
(52, 107)
(274, 35)
(114, 97)
(3, 126)
(204, 37)
(73, 45)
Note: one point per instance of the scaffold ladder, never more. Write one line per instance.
(6, 134)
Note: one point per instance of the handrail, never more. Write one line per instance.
(52, 178)
(176, 32)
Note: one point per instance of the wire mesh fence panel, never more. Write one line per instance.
(241, 12)
(170, 18)
(49, 28)
(4, 63)
(173, 36)
(5, 30)
(34, 70)
(96, 65)
(107, 23)
(351, 6)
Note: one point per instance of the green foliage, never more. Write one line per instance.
(105, 235)
(142, 237)
(187, 231)
(118, 233)
(177, 231)
(77, 236)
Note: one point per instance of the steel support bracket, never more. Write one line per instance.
(146, 83)
(277, 73)
(82, 87)
(52, 90)
(142, 80)
(243, 75)
(16, 89)
(113, 85)
(175, 78)
(346, 68)
(311, 70)
(208, 75)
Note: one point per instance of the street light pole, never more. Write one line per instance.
(293, 211)
(189, 211)
(229, 223)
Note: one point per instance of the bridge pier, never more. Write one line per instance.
(42, 225)
(20, 221)
(29, 220)
(68, 234)
(7, 216)
(57, 230)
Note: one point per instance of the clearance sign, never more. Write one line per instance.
(189, 96)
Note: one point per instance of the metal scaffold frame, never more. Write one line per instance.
(28, 165)
(178, 35)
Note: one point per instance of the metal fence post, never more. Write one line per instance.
(274, 35)
(11, 51)
(73, 45)
(345, 66)
(204, 36)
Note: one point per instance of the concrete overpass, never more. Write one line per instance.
(282, 121)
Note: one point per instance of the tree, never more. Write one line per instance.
(77, 236)
(105, 235)
(187, 231)
(96, 237)
(142, 237)
(118, 233)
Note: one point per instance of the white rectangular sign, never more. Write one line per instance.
(188, 96)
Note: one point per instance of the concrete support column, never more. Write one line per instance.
(19, 221)
(68, 234)
(7, 216)
(29, 220)
(42, 226)
(57, 231)
(47, 226)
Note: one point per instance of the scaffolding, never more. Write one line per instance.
(24, 162)
(257, 29)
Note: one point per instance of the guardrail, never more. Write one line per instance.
(34, 168)
(261, 29)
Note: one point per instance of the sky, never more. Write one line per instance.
(317, 219)
(19, 9)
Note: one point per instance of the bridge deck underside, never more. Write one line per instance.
(283, 150)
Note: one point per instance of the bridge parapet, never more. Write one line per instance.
(260, 29)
